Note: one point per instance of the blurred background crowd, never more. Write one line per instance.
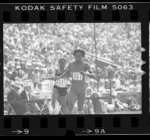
(31, 52)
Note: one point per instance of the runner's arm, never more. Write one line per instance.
(65, 74)
(47, 78)
(90, 74)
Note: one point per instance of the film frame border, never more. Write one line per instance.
(74, 124)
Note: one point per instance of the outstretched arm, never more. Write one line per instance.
(64, 75)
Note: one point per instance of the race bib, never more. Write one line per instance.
(77, 76)
(61, 83)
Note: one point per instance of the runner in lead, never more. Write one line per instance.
(77, 71)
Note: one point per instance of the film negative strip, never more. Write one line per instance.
(74, 69)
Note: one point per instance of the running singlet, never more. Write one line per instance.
(61, 82)
(77, 77)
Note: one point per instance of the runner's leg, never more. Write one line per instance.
(63, 100)
(72, 97)
(54, 97)
(81, 98)
(59, 101)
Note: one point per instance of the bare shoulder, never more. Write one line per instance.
(70, 66)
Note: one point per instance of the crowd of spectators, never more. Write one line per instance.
(31, 51)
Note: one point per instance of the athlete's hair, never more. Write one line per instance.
(62, 59)
(80, 51)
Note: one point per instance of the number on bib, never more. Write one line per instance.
(77, 76)
(61, 82)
